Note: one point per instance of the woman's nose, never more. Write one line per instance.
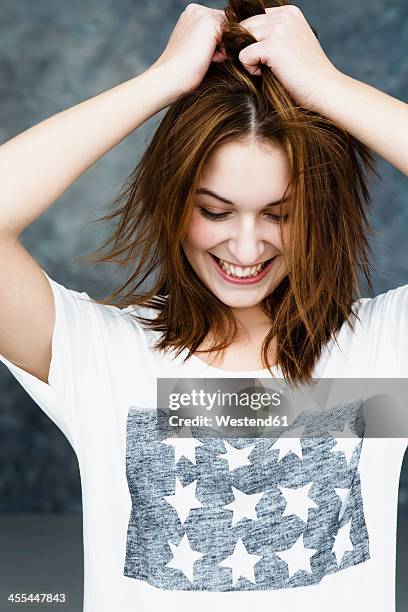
(247, 251)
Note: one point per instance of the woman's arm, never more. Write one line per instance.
(288, 46)
(375, 118)
(38, 165)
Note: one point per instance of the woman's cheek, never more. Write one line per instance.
(203, 235)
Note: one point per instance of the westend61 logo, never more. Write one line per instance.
(232, 406)
(254, 407)
(224, 400)
(228, 421)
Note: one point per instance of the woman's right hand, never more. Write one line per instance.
(192, 47)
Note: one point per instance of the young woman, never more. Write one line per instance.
(250, 205)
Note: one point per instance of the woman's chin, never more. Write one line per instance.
(240, 299)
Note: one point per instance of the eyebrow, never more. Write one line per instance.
(206, 191)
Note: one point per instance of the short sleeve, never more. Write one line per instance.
(70, 346)
(390, 331)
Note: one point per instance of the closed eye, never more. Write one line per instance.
(219, 216)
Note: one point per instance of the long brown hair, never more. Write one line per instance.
(329, 171)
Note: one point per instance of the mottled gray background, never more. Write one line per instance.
(55, 54)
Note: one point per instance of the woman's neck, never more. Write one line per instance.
(254, 325)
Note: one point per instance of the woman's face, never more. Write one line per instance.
(252, 178)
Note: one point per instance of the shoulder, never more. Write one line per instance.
(373, 341)
(84, 318)
(381, 338)
(386, 309)
(138, 316)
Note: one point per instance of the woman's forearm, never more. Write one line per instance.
(377, 119)
(38, 165)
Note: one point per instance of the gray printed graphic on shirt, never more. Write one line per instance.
(240, 514)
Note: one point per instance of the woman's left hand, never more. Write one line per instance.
(289, 47)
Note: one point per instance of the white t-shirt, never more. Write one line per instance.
(179, 531)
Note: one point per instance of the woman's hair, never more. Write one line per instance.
(329, 202)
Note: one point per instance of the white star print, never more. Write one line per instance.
(342, 542)
(236, 457)
(298, 502)
(184, 446)
(297, 556)
(344, 495)
(345, 444)
(243, 506)
(289, 441)
(241, 562)
(184, 557)
(184, 499)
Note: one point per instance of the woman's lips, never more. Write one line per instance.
(250, 280)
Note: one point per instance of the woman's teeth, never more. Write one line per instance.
(239, 271)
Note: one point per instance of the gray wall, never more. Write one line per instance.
(56, 54)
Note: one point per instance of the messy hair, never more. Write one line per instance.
(329, 204)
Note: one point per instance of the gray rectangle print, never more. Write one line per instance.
(242, 514)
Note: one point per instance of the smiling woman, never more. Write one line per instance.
(182, 521)
(239, 171)
(240, 230)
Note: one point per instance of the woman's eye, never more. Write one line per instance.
(277, 218)
(210, 215)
